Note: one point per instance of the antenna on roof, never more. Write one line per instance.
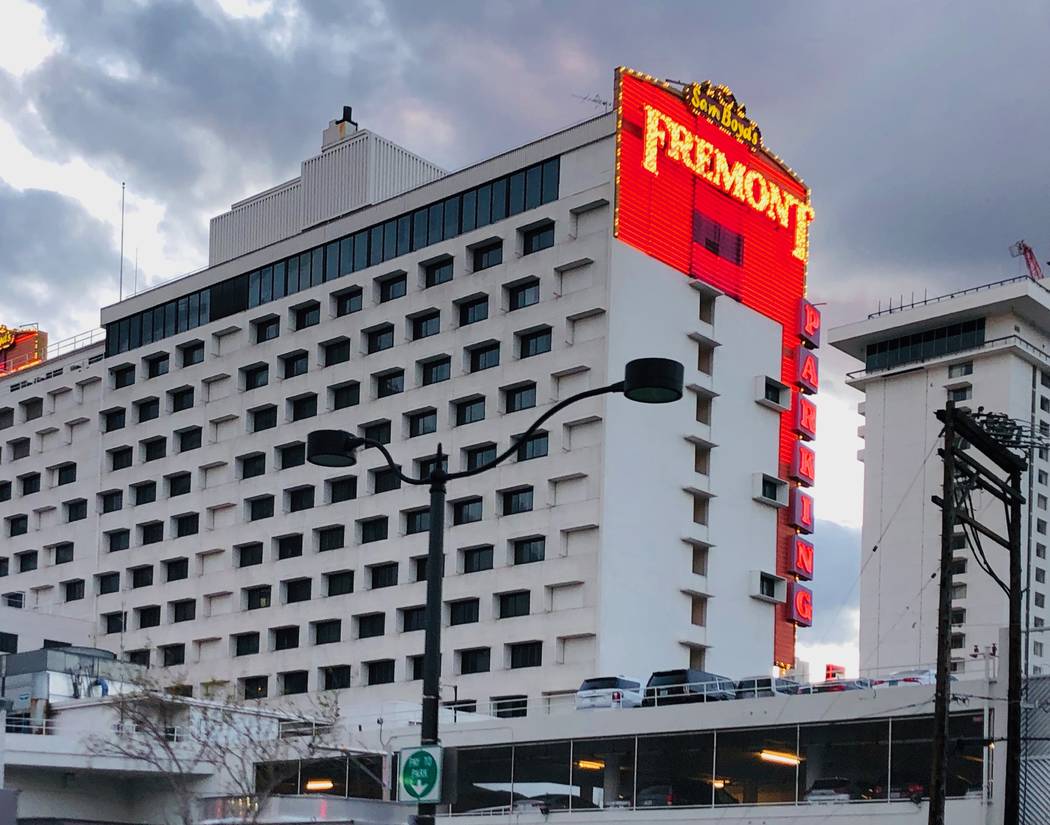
(120, 287)
(597, 100)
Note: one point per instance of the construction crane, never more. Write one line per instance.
(1023, 250)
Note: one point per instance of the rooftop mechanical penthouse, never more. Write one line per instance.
(156, 484)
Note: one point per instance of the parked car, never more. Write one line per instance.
(914, 791)
(918, 676)
(755, 686)
(829, 789)
(684, 792)
(676, 687)
(609, 692)
(837, 685)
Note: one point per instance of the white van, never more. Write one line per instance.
(609, 692)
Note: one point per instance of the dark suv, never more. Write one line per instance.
(676, 687)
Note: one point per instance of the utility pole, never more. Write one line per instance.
(1012, 794)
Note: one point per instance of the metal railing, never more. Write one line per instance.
(35, 727)
(55, 350)
(902, 306)
(994, 343)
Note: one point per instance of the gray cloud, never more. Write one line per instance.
(836, 591)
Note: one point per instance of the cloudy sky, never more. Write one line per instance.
(921, 127)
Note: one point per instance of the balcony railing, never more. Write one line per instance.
(994, 344)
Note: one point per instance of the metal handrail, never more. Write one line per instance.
(994, 343)
(901, 307)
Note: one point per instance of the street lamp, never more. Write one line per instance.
(646, 380)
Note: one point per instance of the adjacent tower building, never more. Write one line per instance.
(155, 483)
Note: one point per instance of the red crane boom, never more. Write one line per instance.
(1023, 250)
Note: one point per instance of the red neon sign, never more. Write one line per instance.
(805, 417)
(802, 559)
(833, 671)
(801, 603)
(809, 323)
(801, 511)
(803, 465)
(808, 371)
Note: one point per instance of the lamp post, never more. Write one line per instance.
(646, 380)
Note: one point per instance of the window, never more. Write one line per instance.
(529, 550)
(476, 559)
(373, 529)
(249, 555)
(298, 590)
(184, 610)
(73, 591)
(437, 370)
(1040, 600)
(484, 357)
(491, 254)
(176, 569)
(337, 352)
(67, 474)
(260, 508)
(289, 547)
(390, 383)
(417, 521)
(304, 407)
(113, 420)
(256, 376)
(118, 540)
(413, 619)
(526, 654)
(327, 632)
(76, 510)
(473, 310)
(266, 329)
(342, 489)
(189, 439)
(301, 498)
(192, 353)
(466, 510)
(114, 622)
(173, 655)
(123, 376)
(535, 446)
(1040, 551)
(147, 409)
(246, 644)
(17, 525)
(380, 672)
(178, 484)
(1040, 575)
(960, 370)
(960, 394)
(27, 561)
(181, 399)
(257, 597)
(336, 677)
(475, 457)
(308, 315)
(517, 501)
(292, 455)
(422, 422)
(30, 483)
(929, 343)
(252, 465)
(514, 604)
(152, 532)
(331, 538)
(157, 366)
(380, 339)
(340, 583)
(427, 466)
(383, 575)
(345, 395)
(187, 525)
(534, 343)
(349, 301)
(524, 294)
(142, 576)
(393, 287)
(285, 638)
(1037, 648)
(537, 238)
(463, 612)
(294, 364)
(371, 625)
(108, 583)
(377, 431)
(385, 479)
(120, 458)
(439, 272)
(154, 449)
(470, 411)
(425, 325)
(415, 667)
(255, 687)
(5, 490)
(112, 501)
(63, 552)
(522, 397)
(475, 660)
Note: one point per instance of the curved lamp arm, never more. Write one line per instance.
(393, 465)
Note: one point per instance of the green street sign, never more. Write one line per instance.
(419, 778)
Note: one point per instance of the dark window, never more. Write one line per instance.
(157, 366)
(381, 339)
(290, 546)
(422, 422)
(27, 561)
(19, 448)
(189, 439)
(526, 654)
(142, 576)
(391, 288)
(173, 655)
(463, 612)
(308, 316)
(108, 583)
(514, 604)
(924, 345)
(485, 356)
(417, 521)
(346, 395)
(30, 483)
(114, 420)
(535, 446)
(517, 501)
(415, 664)
(114, 622)
(534, 343)
(475, 660)
(390, 383)
(112, 501)
(153, 532)
(154, 449)
(255, 377)
(76, 510)
(176, 570)
(266, 329)
(187, 525)
(249, 555)
(63, 552)
(259, 508)
(292, 455)
(178, 484)
(473, 310)
(383, 575)
(373, 529)
(336, 677)
(717, 239)
(470, 411)
(337, 352)
(183, 611)
(255, 687)
(439, 369)
(377, 431)
(527, 551)
(347, 302)
(123, 376)
(381, 672)
(523, 295)
(331, 538)
(466, 511)
(285, 638)
(17, 525)
(302, 498)
(540, 237)
(181, 399)
(340, 583)
(439, 272)
(298, 590)
(257, 597)
(488, 255)
(304, 407)
(118, 540)
(120, 458)
(295, 363)
(371, 625)
(428, 465)
(413, 619)
(264, 418)
(327, 632)
(476, 559)
(426, 325)
(5, 490)
(192, 354)
(253, 465)
(385, 479)
(342, 489)
(520, 398)
(478, 456)
(138, 657)
(73, 590)
(148, 409)
(149, 616)
(245, 644)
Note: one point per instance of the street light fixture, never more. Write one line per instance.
(646, 380)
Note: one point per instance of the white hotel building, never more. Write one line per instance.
(155, 484)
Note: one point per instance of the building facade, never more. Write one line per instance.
(982, 348)
(155, 483)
